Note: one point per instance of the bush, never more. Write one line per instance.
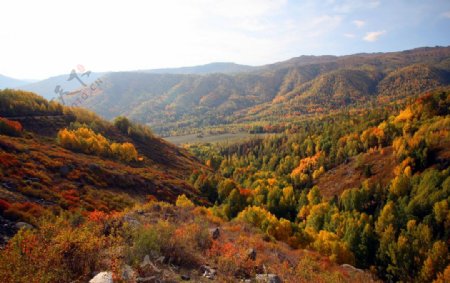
(328, 243)
(181, 244)
(87, 141)
(183, 201)
(267, 222)
(10, 128)
(56, 252)
(146, 241)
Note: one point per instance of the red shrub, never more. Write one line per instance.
(97, 216)
(7, 160)
(71, 196)
(10, 128)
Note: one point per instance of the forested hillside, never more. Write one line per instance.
(366, 187)
(85, 195)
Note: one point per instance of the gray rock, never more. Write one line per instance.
(268, 278)
(130, 220)
(352, 268)
(102, 277)
(208, 272)
(146, 263)
(128, 273)
(24, 225)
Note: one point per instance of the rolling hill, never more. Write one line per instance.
(303, 85)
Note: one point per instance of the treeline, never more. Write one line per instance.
(400, 231)
(15, 103)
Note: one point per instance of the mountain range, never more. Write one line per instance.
(224, 93)
(46, 87)
(302, 85)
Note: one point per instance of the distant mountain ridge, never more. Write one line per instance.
(301, 85)
(216, 67)
(8, 82)
(46, 87)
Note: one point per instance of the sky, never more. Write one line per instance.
(45, 38)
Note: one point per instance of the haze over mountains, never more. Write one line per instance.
(8, 82)
(46, 87)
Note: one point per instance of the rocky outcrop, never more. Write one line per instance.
(102, 277)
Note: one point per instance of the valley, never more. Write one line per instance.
(316, 169)
(211, 138)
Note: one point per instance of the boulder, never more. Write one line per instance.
(102, 277)
(268, 278)
(208, 272)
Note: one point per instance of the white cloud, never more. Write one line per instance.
(359, 23)
(446, 14)
(349, 35)
(373, 36)
(111, 36)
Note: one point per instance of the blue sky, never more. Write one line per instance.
(46, 37)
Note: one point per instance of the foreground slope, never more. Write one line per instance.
(39, 173)
(159, 242)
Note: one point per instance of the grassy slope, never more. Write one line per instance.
(35, 169)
